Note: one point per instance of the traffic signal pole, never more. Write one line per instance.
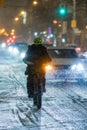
(62, 13)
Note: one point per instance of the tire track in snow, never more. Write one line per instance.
(25, 112)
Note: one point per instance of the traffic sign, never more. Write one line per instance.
(73, 24)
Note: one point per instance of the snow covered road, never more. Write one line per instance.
(64, 104)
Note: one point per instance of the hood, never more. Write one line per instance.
(65, 61)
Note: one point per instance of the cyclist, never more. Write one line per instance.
(36, 55)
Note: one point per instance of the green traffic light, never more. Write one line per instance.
(62, 11)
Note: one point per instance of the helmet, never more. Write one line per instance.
(37, 41)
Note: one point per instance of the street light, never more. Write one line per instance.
(24, 15)
(35, 2)
(16, 19)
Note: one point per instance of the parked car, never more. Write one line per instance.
(66, 63)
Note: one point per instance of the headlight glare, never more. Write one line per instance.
(22, 55)
(10, 49)
(77, 67)
(80, 67)
(48, 67)
(3, 45)
(15, 51)
(73, 67)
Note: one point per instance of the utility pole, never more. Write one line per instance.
(73, 22)
(74, 9)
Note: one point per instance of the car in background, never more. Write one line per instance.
(75, 46)
(66, 63)
(18, 49)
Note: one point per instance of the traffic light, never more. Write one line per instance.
(62, 11)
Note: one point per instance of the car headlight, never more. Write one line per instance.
(10, 49)
(15, 50)
(77, 67)
(3, 45)
(22, 55)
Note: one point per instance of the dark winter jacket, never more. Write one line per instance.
(37, 54)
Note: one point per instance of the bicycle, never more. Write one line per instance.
(37, 75)
(38, 80)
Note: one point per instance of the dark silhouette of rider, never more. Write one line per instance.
(36, 56)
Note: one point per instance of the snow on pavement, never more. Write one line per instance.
(61, 109)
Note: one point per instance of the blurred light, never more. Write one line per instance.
(10, 49)
(78, 49)
(16, 19)
(15, 50)
(49, 30)
(62, 11)
(80, 67)
(11, 39)
(14, 37)
(12, 33)
(55, 21)
(35, 33)
(6, 34)
(22, 12)
(3, 45)
(59, 25)
(85, 54)
(48, 36)
(13, 30)
(63, 40)
(44, 32)
(8, 41)
(24, 17)
(73, 67)
(48, 68)
(3, 30)
(77, 67)
(51, 35)
(35, 2)
(22, 55)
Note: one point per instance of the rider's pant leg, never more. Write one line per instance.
(30, 87)
(44, 82)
